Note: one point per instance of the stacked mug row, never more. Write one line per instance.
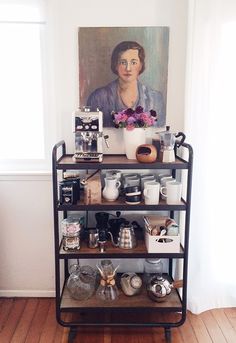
(149, 187)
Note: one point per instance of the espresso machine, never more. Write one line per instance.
(88, 129)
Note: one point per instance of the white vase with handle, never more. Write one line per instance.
(111, 189)
(132, 139)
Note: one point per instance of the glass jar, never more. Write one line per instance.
(81, 282)
(71, 228)
(130, 283)
(152, 267)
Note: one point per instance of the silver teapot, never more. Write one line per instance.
(126, 237)
(159, 288)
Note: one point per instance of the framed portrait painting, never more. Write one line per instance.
(123, 67)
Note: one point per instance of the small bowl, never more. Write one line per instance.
(133, 199)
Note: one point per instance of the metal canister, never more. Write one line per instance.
(69, 191)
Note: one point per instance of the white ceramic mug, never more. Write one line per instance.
(114, 173)
(165, 178)
(162, 176)
(151, 193)
(126, 175)
(164, 182)
(132, 182)
(172, 192)
(145, 179)
(111, 173)
(146, 175)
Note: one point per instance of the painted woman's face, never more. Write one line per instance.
(129, 65)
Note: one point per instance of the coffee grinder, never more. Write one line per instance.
(102, 227)
(105, 225)
(88, 129)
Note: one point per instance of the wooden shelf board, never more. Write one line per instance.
(121, 205)
(138, 301)
(114, 161)
(139, 252)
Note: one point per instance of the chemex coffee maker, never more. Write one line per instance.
(88, 129)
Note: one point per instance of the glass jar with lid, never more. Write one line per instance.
(152, 267)
(71, 228)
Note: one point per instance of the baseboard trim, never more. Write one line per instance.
(27, 293)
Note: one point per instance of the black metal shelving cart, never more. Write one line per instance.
(72, 313)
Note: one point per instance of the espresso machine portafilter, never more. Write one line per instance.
(88, 129)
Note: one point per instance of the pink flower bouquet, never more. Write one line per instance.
(131, 119)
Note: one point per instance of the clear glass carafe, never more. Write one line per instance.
(107, 290)
(81, 282)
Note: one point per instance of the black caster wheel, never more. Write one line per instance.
(168, 335)
(72, 335)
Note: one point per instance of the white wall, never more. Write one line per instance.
(26, 236)
(26, 233)
(69, 15)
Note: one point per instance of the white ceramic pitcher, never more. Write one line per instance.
(111, 189)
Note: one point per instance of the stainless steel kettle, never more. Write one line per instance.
(159, 288)
(126, 238)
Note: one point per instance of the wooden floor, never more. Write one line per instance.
(32, 320)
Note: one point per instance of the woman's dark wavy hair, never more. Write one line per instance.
(123, 46)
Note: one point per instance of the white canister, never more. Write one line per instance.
(145, 179)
